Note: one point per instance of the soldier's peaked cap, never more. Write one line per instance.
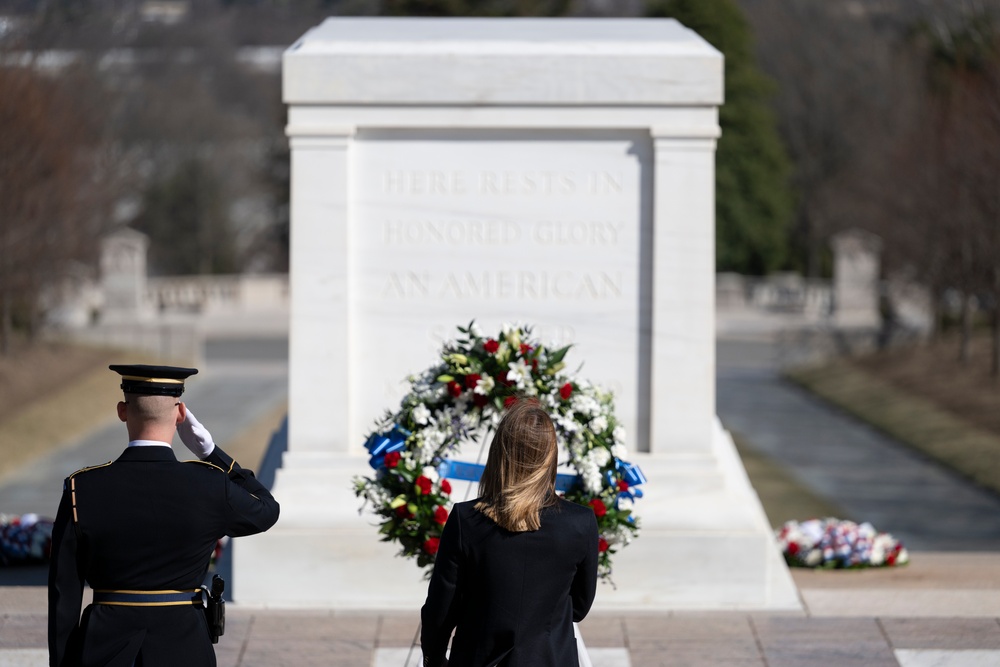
(152, 380)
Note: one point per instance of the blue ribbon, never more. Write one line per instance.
(380, 444)
(632, 474)
(472, 472)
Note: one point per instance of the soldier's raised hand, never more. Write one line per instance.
(195, 436)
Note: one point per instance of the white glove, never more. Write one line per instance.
(195, 436)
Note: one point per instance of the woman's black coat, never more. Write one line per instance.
(511, 598)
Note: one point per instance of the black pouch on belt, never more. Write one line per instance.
(215, 608)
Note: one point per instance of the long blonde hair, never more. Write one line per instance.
(520, 474)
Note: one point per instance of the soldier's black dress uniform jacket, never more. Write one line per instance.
(144, 522)
(511, 598)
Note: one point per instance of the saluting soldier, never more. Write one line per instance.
(141, 531)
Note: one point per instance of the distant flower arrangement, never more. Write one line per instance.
(463, 399)
(25, 540)
(833, 544)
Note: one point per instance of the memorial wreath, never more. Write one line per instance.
(835, 544)
(462, 399)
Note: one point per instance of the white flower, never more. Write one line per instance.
(463, 400)
(599, 424)
(618, 434)
(421, 414)
(625, 503)
(421, 450)
(585, 405)
(619, 451)
(814, 557)
(812, 530)
(591, 475)
(433, 438)
(485, 385)
(430, 473)
(519, 373)
(601, 456)
(568, 424)
(475, 330)
(592, 482)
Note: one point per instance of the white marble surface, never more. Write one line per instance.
(917, 603)
(397, 657)
(934, 658)
(513, 61)
(699, 521)
(539, 227)
(557, 173)
(24, 657)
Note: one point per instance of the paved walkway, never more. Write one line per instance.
(943, 610)
(872, 477)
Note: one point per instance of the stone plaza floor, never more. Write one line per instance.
(942, 610)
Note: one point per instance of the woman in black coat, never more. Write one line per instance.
(517, 566)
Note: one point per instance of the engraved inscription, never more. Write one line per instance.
(455, 232)
(425, 231)
(501, 183)
(521, 285)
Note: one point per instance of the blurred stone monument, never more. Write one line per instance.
(856, 274)
(558, 173)
(123, 276)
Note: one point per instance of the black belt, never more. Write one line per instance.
(149, 598)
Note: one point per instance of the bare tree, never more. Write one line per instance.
(47, 187)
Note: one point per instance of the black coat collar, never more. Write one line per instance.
(154, 453)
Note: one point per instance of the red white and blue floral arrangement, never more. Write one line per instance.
(462, 399)
(837, 544)
(25, 540)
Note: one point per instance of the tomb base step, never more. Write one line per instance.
(705, 543)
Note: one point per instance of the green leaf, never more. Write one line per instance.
(558, 355)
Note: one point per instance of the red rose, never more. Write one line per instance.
(793, 548)
(502, 379)
(471, 380)
(454, 389)
(424, 484)
(509, 401)
(441, 515)
(403, 513)
(602, 545)
(566, 391)
(599, 507)
(392, 459)
(491, 346)
(432, 544)
(445, 486)
(622, 485)
(534, 365)
(891, 560)
(479, 400)
(525, 349)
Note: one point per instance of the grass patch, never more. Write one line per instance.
(911, 415)
(53, 392)
(784, 498)
(249, 445)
